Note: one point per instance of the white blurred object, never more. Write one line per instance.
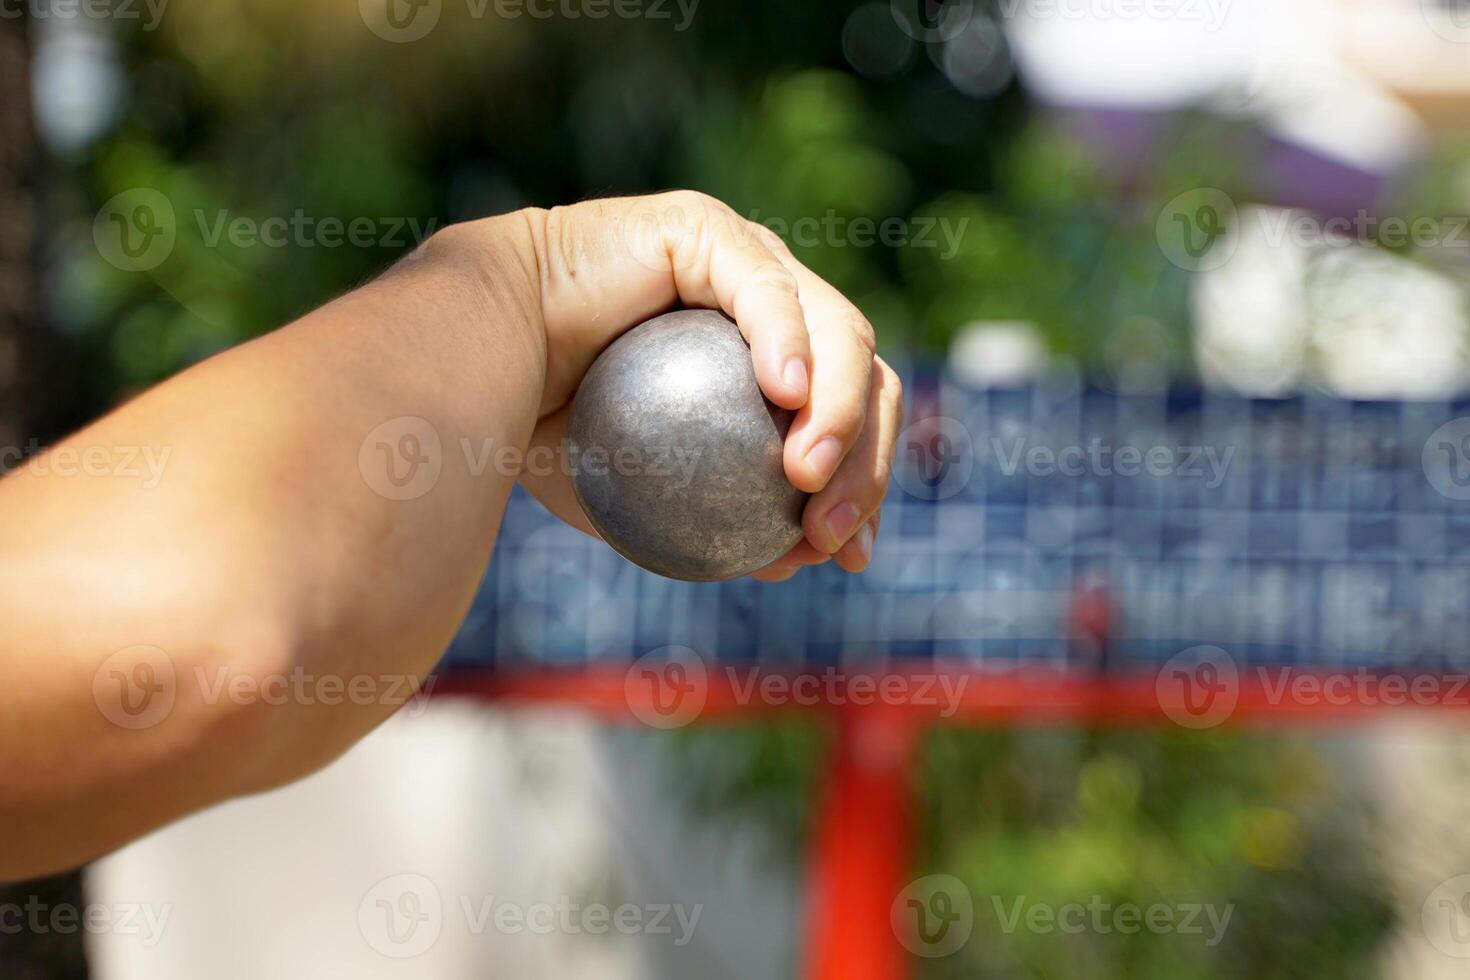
(1416, 767)
(1283, 62)
(76, 81)
(453, 815)
(1289, 308)
(1091, 52)
(1250, 314)
(1384, 327)
(997, 354)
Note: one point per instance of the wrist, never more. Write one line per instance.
(500, 259)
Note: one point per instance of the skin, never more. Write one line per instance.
(263, 551)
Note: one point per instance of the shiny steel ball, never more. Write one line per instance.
(677, 454)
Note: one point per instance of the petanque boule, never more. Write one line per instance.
(677, 454)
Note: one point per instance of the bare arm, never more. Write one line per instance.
(300, 529)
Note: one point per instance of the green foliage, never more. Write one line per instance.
(1258, 828)
(1251, 823)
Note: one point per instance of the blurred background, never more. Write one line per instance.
(1257, 197)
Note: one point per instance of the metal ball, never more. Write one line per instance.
(677, 454)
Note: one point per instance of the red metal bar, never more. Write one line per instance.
(1013, 697)
(860, 860)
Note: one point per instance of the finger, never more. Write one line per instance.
(607, 265)
(748, 281)
(721, 260)
(826, 428)
(840, 511)
(858, 552)
(792, 562)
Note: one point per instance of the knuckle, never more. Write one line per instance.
(684, 203)
(768, 237)
(862, 330)
(847, 425)
(773, 275)
(872, 491)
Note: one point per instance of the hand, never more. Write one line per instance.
(606, 266)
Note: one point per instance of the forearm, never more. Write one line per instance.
(270, 545)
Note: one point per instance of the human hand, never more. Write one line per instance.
(605, 266)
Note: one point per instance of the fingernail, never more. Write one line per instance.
(824, 457)
(794, 375)
(840, 523)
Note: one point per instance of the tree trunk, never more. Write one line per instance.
(44, 948)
